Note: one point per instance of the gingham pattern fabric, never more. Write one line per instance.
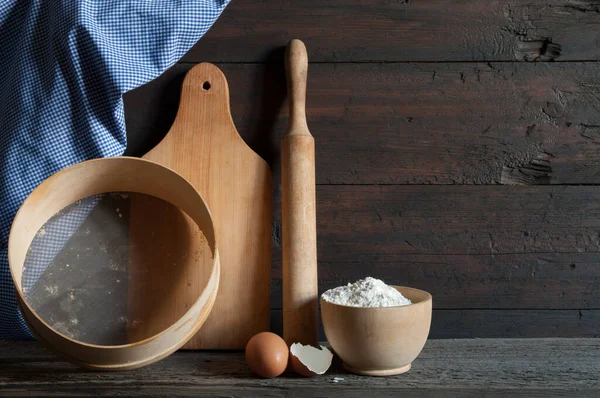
(63, 69)
(51, 239)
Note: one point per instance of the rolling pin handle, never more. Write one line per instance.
(296, 66)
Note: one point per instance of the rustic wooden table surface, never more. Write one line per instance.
(445, 368)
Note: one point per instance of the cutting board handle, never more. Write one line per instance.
(204, 101)
(296, 66)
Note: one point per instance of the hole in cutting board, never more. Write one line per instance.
(206, 86)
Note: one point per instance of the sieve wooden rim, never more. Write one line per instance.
(115, 174)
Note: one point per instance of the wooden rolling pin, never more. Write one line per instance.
(300, 283)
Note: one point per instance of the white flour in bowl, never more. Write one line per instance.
(368, 292)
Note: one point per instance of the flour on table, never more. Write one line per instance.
(368, 292)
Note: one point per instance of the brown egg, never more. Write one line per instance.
(267, 354)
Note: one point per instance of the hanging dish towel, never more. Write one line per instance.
(64, 68)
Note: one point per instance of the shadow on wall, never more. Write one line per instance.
(151, 109)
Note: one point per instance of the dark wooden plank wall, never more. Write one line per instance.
(452, 154)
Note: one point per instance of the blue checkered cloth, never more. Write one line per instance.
(64, 67)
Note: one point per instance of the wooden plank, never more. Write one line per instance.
(451, 123)
(461, 368)
(433, 30)
(500, 281)
(515, 323)
(470, 246)
(327, 391)
(501, 323)
(361, 223)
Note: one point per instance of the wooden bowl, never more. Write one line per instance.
(117, 174)
(379, 341)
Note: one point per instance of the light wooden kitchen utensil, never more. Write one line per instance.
(74, 318)
(380, 341)
(300, 284)
(204, 147)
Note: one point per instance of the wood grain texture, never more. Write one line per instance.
(500, 281)
(167, 265)
(499, 323)
(469, 246)
(491, 244)
(298, 210)
(403, 30)
(358, 223)
(483, 123)
(204, 147)
(457, 368)
(408, 93)
(515, 323)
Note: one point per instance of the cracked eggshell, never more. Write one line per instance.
(310, 361)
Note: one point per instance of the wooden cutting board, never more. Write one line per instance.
(204, 147)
